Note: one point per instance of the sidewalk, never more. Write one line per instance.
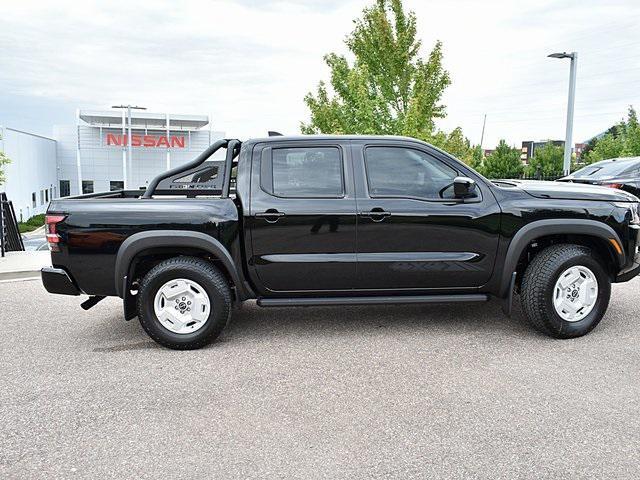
(21, 265)
(38, 232)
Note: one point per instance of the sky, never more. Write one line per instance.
(248, 64)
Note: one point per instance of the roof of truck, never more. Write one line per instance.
(281, 138)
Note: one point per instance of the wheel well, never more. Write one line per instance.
(603, 251)
(144, 261)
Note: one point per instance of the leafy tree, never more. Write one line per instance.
(454, 143)
(547, 161)
(477, 159)
(608, 146)
(389, 89)
(621, 140)
(504, 162)
(631, 135)
(4, 160)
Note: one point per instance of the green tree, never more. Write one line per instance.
(504, 162)
(547, 161)
(631, 135)
(621, 140)
(477, 159)
(4, 160)
(389, 89)
(608, 146)
(454, 143)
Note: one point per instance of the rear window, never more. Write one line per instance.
(303, 172)
(608, 169)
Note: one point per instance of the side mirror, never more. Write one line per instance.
(464, 187)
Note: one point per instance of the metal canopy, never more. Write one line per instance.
(140, 119)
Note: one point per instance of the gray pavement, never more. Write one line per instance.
(15, 265)
(381, 392)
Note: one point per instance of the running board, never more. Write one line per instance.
(387, 300)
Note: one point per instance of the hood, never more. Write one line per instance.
(572, 191)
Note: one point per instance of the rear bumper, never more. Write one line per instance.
(56, 280)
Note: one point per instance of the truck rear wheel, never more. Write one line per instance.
(184, 303)
(565, 291)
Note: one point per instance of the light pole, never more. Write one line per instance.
(566, 167)
(129, 108)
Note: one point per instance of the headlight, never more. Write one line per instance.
(634, 211)
(635, 214)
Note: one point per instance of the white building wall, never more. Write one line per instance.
(102, 163)
(32, 171)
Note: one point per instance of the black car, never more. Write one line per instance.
(340, 220)
(621, 173)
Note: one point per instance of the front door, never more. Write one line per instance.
(412, 233)
(303, 217)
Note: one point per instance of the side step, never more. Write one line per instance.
(386, 300)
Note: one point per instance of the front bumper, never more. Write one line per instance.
(633, 268)
(56, 280)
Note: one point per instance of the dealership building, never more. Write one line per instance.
(102, 151)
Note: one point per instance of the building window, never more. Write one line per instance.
(116, 185)
(46, 195)
(87, 186)
(33, 200)
(65, 188)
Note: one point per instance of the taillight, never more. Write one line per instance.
(612, 185)
(53, 238)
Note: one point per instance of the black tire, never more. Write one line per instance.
(538, 286)
(209, 278)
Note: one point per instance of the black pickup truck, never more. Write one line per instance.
(340, 220)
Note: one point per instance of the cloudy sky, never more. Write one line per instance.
(248, 64)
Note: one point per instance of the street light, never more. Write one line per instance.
(566, 167)
(124, 169)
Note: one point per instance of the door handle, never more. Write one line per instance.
(270, 216)
(376, 214)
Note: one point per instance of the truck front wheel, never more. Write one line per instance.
(184, 303)
(565, 291)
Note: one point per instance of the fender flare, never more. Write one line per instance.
(541, 228)
(139, 242)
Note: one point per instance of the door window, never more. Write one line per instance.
(309, 172)
(406, 172)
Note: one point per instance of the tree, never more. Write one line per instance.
(608, 146)
(4, 160)
(389, 89)
(621, 140)
(631, 135)
(504, 162)
(454, 143)
(547, 161)
(477, 159)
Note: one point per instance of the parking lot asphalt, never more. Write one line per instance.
(451, 391)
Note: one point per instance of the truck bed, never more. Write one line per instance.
(96, 225)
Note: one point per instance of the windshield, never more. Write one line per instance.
(605, 169)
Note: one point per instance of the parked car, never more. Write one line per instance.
(621, 173)
(341, 220)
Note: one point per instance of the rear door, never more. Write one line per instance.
(412, 233)
(303, 217)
